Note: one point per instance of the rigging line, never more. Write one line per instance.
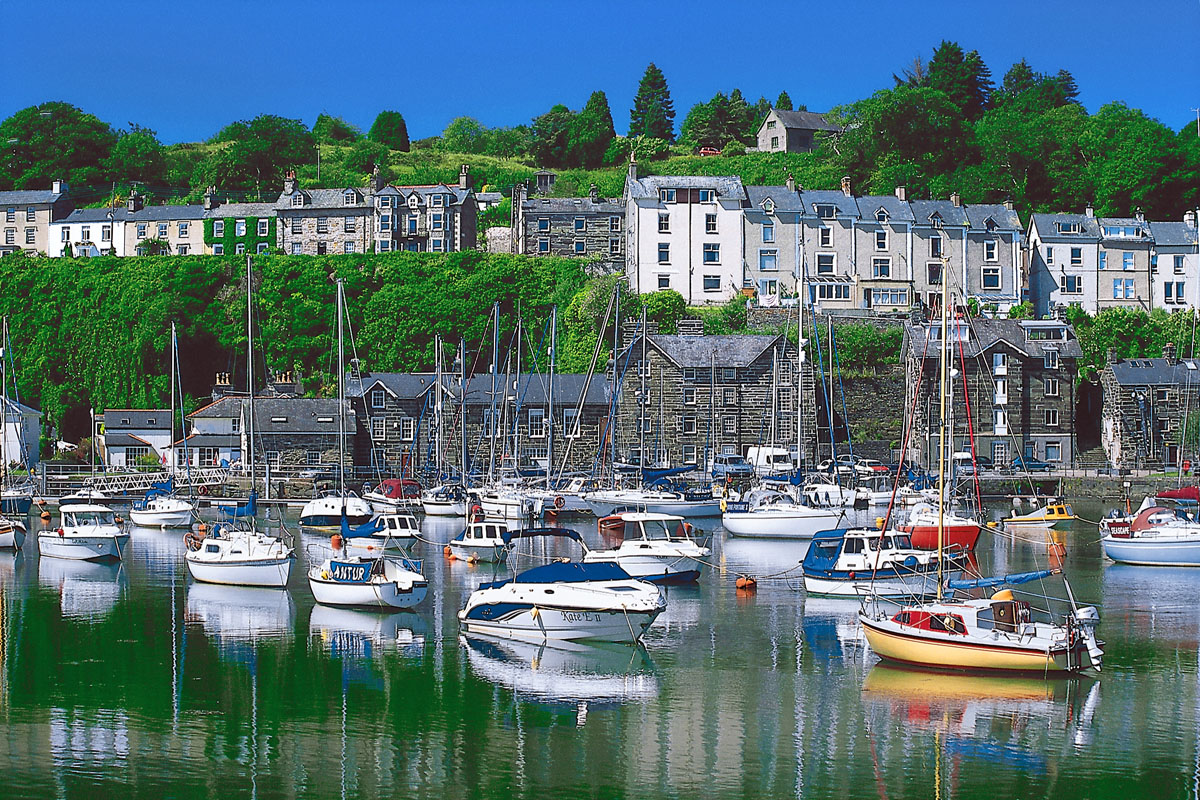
(836, 366)
(962, 360)
(907, 433)
(600, 344)
(828, 404)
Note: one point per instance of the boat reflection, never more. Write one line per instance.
(362, 635)
(564, 672)
(763, 556)
(85, 589)
(831, 630)
(239, 615)
(10, 560)
(160, 550)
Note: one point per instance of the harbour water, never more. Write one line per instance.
(132, 681)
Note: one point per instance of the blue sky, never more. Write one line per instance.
(185, 69)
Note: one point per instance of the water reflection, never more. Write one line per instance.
(86, 589)
(360, 635)
(239, 615)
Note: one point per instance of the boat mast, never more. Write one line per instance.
(437, 404)
(171, 379)
(4, 402)
(462, 407)
(495, 375)
(550, 395)
(800, 455)
(250, 370)
(642, 369)
(944, 386)
(341, 396)
(612, 427)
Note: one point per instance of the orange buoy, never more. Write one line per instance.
(336, 541)
(746, 584)
(446, 551)
(45, 516)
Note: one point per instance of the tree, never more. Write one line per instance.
(258, 151)
(50, 141)
(390, 131)
(592, 132)
(653, 113)
(552, 137)
(1033, 91)
(464, 135)
(137, 156)
(783, 102)
(334, 130)
(964, 78)
(720, 121)
(915, 74)
(363, 155)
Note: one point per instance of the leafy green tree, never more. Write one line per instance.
(363, 155)
(464, 135)
(963, 77)
(137, 156)
(1032, 91)
(390, 131)
(666, 307)
(783, 102)
(720, 121)
(552, 137)
(509, 142)
(1021, 311)
(334, 130)
(50, 141)
(591, 132)
(255, 153)
(643, 149)
(653, 113)
(1129, 160)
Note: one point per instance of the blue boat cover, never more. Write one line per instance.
(1001, 580)
(367, 528)
(567, 533)
(653, 476)
(574, 572)
(350, 572)
(250, 509)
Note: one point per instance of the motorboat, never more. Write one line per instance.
(328, 510)
(699, 503)
(859, 562)
(996, 634)
(86, 532)
(237, 555)
(12, 533)
(88, 496)
(957, 530)
(392, 531)
(481, 541)
(393, 494)
(565, 601)
(163, 511)
(1049, 515)
(1157, 536)
(565, 498)
(511, 504)
(776, 515)
(349, 580)
(447, 500)
(833, 495)
(657, 547)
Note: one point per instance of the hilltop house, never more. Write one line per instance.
(27, 215)
(792, 131)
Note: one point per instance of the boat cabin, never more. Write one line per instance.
(1002, 613)
(91, 516)
(862, 549)
(655, 527)
(400, 524)
(483, 533)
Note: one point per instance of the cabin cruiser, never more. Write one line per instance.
(770, 514)
(510, 503)
(392, 531)
(393, 494)
(923, 524)
(833, 495)
(238, 556)
(691, 503)
(1157, 536)
(657, 547)
(86, 532)
(368, 582)
(1049, 515)
(328, 510)
(481, 541)
(860, 562)
(87, 496)
(163, 511)
(447, 500)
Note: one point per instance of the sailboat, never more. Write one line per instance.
(239, 554)
(996, 633)
(14, 501)
(445, 499)
(162, 508)
(331, 508)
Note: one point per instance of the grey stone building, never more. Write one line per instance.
(589, 227)
(697, 396)
(1146, 404)
(394, 415)
(27, 215)
(792, 131)
(288, 431)
(1018, 383)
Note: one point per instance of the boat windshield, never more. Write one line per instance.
(656, 529)
(902, 541)
(81, 518)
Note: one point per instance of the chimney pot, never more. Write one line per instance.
(902, 193)
(846, 185)
(594, 193)
(633, 174)
(1009, 205)
(791, 182)
(956, 199)
(1088, 210)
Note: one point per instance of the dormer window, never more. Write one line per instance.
(412, 201)
(297, 200)
(990, 224)
(768, 206)
(439, 200)
(825, 211)
(350, 199)
(278, 419)
(1068, 227)
(881, 216)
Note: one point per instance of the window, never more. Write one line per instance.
(774, 142)
(689, 373)
(1173, 292)
(239, 227)
(297, 200)
(664, 281)
(580, 224)
(728, 374)
(543, 225)
(768, 233)
(889, 297)
(999, 363)
(614, 224)
(438, 221)
(183, 249)
(710, 223)
(323, 224)
(729, 424)
(1050, 358)
(825, 211)
(580, 247)
(162, 230)
(1129, 288)
(218, 227)
(1117, 288)
(1050, 387)
(297, 225)
(1001, 392)
(712, 283)
(263, 226)
(614, 247)
(412, 223)
(1178, 261)
(31, 214)
(771, 125)
(1126, 260)
(991, 249)
(385, 224)
(543, 245)
(439, 199)
(377, 430)
(689, 454)
(1000, 421)
(833, 291)
(1072, 284)
(141, 230)
(218, 249)
(729, 396)
(825, 236)
(385, 246)
(1154, 263)
(1049, 255)
(881, 240)
(666, 195)
(347, 247)
(689, 424)
(10, 215)
(183, 229)
(991, 277)
(935, 245)
(881, 268)
(297, 248)
(934, 269)
(571, 423)
(537, 423)
(664, 223)
(768, 260)
(322, 248)
(85, 233)
(384, 202)
(350, 225)
(30, 235)
(261, 248)
(664, 252)
(1076, 256)
(689, 395)
(768, 287)
(645, 424)
(239, 248)
(707, 195)
(10, 235)
(408, 429)
(1053, 451)
(1051, 417)
(825, 263)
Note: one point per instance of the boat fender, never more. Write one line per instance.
(203, 490)
(45, 516)
(853, 575)
(191, 541)
(910, 561)
(324, 574)
(746, 584)
(447, 552)
(723, 505)
(61, 532)
(335, 541)
(119, 520)
(559, 501)
(473, 559)
(879, 522)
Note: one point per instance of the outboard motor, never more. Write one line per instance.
(1087, 618)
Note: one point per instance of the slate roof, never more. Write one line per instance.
(987, 333)
(846, 206)
(226, 210)
(531, 389)
(897, 210)
(1047, 227)
(1155, 372)
(785, 199)
(705, 351)
(401, 385)
(1005, 219)
(89, 215)
(298, 414)
(728, 187)
(166, 213)
(1142, 227)
(572, 205)
(28, 196)
(139, 419)
(1173, 234)
(20, 409)
(323, 198)
(951, 214)
(126, 440)
(805, 120)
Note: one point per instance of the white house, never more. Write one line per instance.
(130, 434)
(89, 232)
(1175, 264)
(22, 432)
(685, 233)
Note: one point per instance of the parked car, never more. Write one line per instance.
(770, 460)
(965, 465)
(709, 151)
(1030, 464)
(731, 465)
(840, 466)
(870, 468)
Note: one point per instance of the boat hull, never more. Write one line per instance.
(891, 586)
(444, 508)
(12, 538)
(1152, 552)
(82, 548)
(780, 525)
(654, 569)
(380, 594)
(539, 623)
(489, 553)
(271, 572)
(925, 537)
(162, 519)
(19, 505)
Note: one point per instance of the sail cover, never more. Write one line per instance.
(1001, 580)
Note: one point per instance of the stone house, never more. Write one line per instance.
(684, 233)
(133, 433)
(1147, 402)
(885, 251)
(180, 226)
(693, 397)
(27, 215)
(1017, 378)
(791, 131)
(325, 221)
(288, 431)
(394, 418)
(237, 228)
(581, 227)
(1175, 264)
(828, 256)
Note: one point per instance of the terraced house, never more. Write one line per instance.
(1146, 404)
(589, 227)
(27, 215)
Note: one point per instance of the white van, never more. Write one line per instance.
(770, 460)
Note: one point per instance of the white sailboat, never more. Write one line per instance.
(445, 499)
(15, 499)
(353, 581)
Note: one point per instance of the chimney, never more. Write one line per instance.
(1089, 211)
(1139, 215)
(210, 198)
(135, 202)
(846, 186)
(902, 193)
(791, 182)
(1189, 218)
(289, 181)
(464, 177)
(1169, 352)
(956, 199)
(58, 187)
(1009, 205)
(594, 193)
(376, 181)
(1111, 357)
(632, 167)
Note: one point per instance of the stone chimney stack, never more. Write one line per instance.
(632, 167)
(1111, 357)
(902, 193)
(210, 198)
(846, 186)
(791, 182)
(594, 193)
(376, 181)
(1139, 215)
(1089, 211)
(1189, 218)
(1169, 352)
(956, 199)
(289, 181)
(135, 202)
(464, 177)
(1009, 205)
